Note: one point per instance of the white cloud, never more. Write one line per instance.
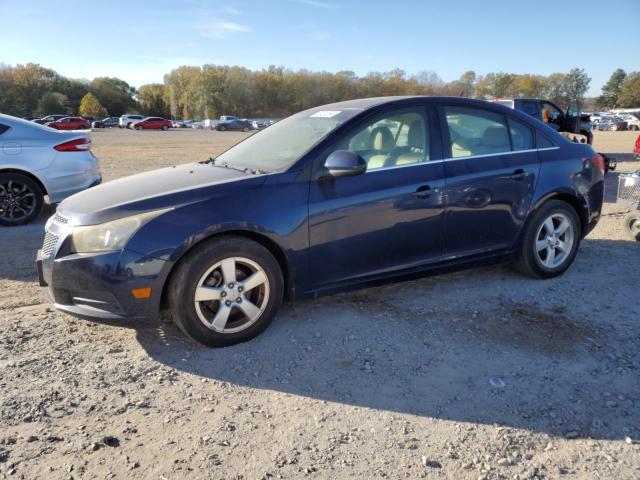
(221, 29)
(320, 36)
(317, 4)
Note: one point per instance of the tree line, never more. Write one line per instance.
(212, 90)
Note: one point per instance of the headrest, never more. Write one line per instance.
(415, 137)
(381, 139)
(495, 137)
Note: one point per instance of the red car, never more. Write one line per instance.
(637, 149)
(152, 123)
(69, 123)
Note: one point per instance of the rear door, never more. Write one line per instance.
(490, 176)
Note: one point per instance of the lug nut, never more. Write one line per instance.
(230, 285)
(228, 303)
(240, 289)
(238, 300)
(223, 294)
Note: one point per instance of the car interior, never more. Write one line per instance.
(393, 141)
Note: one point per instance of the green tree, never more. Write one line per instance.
(629, 96)
(90, 106)
(152, 101)
(611, 89)
(116, 95)
(52, 103)
(576, 85)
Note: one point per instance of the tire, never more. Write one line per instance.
(139, 127)
(632, 225)
(203, 270)
(25, 201)
(613, 128)
(165, 128)
(245, 129)
(221, 129)
(536, 259)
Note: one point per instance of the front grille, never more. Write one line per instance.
(61, 219)
(50, 241)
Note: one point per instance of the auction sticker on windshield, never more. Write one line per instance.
(326, 113)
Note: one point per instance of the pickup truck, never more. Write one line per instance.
(549, 113)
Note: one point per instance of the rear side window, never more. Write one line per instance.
(3, 128)
(474, 132)
(521, 135)
(543, 142)
(530, 107)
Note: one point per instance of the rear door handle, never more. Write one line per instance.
(517, 175)
(424, 191)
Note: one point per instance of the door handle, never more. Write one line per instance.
(424, 191)
(517, 175)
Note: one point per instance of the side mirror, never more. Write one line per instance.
(343, 163)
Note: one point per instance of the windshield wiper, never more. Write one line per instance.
(253, 171)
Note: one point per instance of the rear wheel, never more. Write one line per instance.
(139, 127)
(550, 240)
(222, 129)
(21, 199)
(165, 128)
(632, 224)
(245, 129)
(226, 291)
(613, 128)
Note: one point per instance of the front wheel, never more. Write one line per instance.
(632, 224)
(165, 128)
(550, 240)
(245, 129)
(139, 127)
(226, 291)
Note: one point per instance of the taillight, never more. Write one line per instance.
(77, 145)
(598, 162)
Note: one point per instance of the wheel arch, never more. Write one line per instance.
(578, 204)
(26, 174)
(273, 247)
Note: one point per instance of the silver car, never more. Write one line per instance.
(39, 164)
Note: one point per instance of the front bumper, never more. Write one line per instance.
(98, 286)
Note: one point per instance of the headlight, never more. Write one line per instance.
(110, 236)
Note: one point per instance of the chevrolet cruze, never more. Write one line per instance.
(332, 198)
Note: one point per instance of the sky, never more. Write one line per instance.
(140, 41)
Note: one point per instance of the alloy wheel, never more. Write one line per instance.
(555, 240)
(232, 295)
(17, 200)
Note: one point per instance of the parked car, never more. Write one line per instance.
(197, 124)
(636, 149)
(632, 121)
(612, 124)
(227, 118)
(49, 118)
(330, 199)
(127, 120)
(36, 161)
(549, 113)
(108, 122)
(69, 123)
(178, 124)
(152, 123)
(236, 124)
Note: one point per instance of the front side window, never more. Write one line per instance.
(390, 140)
(476, 132)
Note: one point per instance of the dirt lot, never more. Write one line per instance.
(477, 375)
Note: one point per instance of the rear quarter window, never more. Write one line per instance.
(3, 128)
(543, 142)
(521, 135)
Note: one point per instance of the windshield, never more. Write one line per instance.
(280, 145)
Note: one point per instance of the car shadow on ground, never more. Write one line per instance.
(486, 346)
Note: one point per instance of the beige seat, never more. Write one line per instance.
(382, 142)
(494, 140)
(416, 147)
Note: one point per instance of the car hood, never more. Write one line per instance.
(157, 189)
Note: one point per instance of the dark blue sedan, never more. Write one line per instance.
(333, 198)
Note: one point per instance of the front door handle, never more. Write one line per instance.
(423, 191)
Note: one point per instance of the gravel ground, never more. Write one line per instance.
(484, 374)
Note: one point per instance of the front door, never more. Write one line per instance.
(490, 179)
(389, 217)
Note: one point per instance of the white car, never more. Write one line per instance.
(127, 120)
(633, 121)
(39, 164)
